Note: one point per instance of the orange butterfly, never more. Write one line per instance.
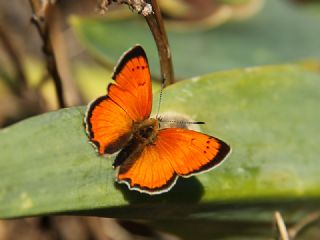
(151, 159)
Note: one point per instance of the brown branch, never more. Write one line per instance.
(141, 6)
(41, 15)
(305, 222)
(71, 94)
(47, 19)
(154, 19)
(285, 234)
(157, 28)
(281, 229)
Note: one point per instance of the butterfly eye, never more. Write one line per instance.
(146, 132)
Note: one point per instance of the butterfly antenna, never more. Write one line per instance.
(180, 122)
(160, 97)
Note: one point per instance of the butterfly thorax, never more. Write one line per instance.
(146, 131)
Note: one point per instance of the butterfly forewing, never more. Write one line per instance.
(110, 118)
(133, 89)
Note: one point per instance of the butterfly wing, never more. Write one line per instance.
(175, 152)
(109, 119)
(192, 152)
(149, 172)
(108, 126)
(133, 90)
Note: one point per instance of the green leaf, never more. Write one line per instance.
(268, 115)
(280, 32)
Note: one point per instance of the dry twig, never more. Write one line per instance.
(154, 19)
(47, 17)
(281, 229)
(156, 26)
(141, 6)
(41, 16)
(285, 234)
(304, 223)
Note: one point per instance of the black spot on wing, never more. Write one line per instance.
(136, 51)
(223, 151)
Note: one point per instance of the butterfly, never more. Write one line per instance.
(150, 159)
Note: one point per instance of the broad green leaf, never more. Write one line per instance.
(280, 32)
(269, 115)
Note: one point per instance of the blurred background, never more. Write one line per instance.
(63, 55)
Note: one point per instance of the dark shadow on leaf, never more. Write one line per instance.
(186, 190)
(180, 201)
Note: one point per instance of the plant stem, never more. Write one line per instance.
(42, 20)
(281, 229)
(157, 28)
(305, 222)
(156, 25)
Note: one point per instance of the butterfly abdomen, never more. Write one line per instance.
(131, 150)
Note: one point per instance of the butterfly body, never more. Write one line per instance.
(146, 131)
(143, 134)
(150, 159)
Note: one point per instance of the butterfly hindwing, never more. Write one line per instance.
(175, 152)
(149, 172)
